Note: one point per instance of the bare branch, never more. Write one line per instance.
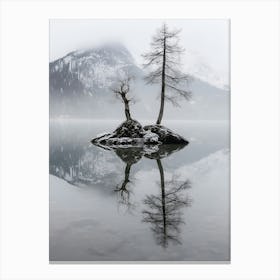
(121, 88)
(173, 100)
(184, 93)
(153, 77)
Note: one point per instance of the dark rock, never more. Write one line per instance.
(166, 136)
(129, 132)
(131, 129)
(130, 155)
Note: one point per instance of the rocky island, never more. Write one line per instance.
(132, 134)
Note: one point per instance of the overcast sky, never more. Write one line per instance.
(207, 38)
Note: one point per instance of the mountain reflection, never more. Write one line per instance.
(82, 165)
(91, 166)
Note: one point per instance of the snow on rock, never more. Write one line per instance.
(150, 150)
(150, 138)
(102, 134)
(161, 151)
(115, 141)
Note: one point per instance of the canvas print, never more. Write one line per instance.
(139, 159)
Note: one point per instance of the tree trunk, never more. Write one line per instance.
(126, 177)
(162, 84)
(162, 184)
(126, 107)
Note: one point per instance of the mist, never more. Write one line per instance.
(205, 39)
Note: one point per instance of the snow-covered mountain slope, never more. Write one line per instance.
(80, 87)
(91, 70)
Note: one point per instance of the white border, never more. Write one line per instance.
(254, 138)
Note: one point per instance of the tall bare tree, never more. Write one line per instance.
(121, 88)
(164, 61)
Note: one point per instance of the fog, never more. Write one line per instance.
(80, 83)
(205, 39)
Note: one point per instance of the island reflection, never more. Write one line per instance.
(163, 211)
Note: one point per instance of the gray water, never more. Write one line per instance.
(125, 205)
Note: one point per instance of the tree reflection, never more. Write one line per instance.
(124, 191)
(163, 211)
(129, 156)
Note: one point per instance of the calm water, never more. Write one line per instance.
(128, 205)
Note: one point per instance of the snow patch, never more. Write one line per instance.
(151, 137)
(101, 134)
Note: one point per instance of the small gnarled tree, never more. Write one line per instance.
(164, 61)
(121, 88)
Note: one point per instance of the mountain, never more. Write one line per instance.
(80, 87)
(195, 65)
(89, 71)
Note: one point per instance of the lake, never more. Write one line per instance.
(171, 204)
